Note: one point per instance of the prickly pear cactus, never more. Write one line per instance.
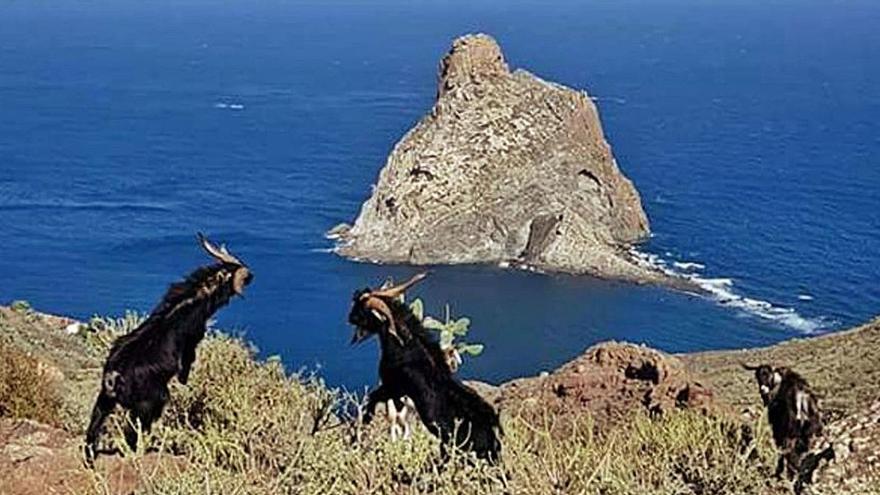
(451, 331)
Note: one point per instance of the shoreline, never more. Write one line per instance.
(647, 274)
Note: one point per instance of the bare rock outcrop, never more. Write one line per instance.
(611, 380)
(506, 167)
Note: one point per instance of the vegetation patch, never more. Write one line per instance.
(28, 387)
(245, 426)
(248, 426)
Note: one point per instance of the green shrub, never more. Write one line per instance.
(101, 331)
(21, 306)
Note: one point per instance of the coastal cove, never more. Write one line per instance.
(757, 176)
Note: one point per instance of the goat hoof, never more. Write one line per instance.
(89, 458)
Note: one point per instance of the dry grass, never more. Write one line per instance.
(28, 387)
(247, 427)
(242, 426)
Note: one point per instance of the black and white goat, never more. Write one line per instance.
(793, 413)
(141, 363)
(413, 365)
(400, 411)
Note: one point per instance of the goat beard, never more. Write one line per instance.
(359, 335)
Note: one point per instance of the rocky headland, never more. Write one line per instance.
(505, 168)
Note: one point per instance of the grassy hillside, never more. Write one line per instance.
(244, 426)
(843, 367)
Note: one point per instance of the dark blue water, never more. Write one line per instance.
(750, 127)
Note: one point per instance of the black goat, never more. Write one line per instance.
(140, 364)
(793, 412)
(414, 365)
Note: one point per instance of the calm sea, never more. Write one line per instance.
(750, 127)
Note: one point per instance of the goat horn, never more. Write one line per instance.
(220, 253)
(748, 367)
(376, 304)
(397, 290)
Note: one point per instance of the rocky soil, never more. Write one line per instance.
(506, 168)
(611, 380)
(855, 440)
(36, 459)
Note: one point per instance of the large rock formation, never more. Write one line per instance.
(507, 167)
(610, 380)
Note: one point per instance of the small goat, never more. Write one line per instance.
(793, 412)
(140, 364)
(413, 365)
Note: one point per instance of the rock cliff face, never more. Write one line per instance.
(506, 167)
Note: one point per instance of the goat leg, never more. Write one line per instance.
(794, 464)
(103, 407)
(780, 466)
(381, 394)
(407, 430)
(131, 430)
(144, 414)
(186, 362)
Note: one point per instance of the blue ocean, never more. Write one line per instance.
(750, 128)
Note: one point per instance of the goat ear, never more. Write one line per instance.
(239, 280)
(379, 306)
(777, 378)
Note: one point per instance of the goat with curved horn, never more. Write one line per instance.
(221, 254)
(242, 273)
(398, 290)
(412, 364)
(141, 363)
(381, 310)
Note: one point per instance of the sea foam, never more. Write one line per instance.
(721, 290)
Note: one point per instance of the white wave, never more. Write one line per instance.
(721, 290)
(688, 265)
(229, 106)
(805, 297)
